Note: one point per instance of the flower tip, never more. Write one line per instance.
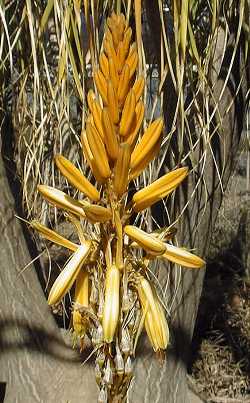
(51, 300)
(199, 262)
(43, 189)
(57, 157)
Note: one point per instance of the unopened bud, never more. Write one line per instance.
(132, 317)
(125, 302)
(93, 299)
(67, 277)
(97, 338)
(128, 366)
(100, 358)
(100, 307)
(98, 373)
(119, 363)
(103, 395)
(125, 341)
(111, 304)
(108, 374)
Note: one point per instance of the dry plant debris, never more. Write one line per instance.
(114, 296)
(222, 368)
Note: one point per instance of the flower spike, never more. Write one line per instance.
(114, 294)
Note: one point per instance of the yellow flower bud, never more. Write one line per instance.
(67, 277)
(79, 322)
(155, 322)
(53, 236)
(111, 303)
(182, 257)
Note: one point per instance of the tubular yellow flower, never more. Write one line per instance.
(90, 99)
(138, 87)
(61, 199)
(128, 114)
(97, 117)
(82, 298)
(123, 47)
(147, 241)
(121, 169)
(110, 138)
(67, 277)
(76, 178)
(82, 288)
(139, 115)
(113, 74)
(182, 257)
(111, 303)
(147, 143)
(159, 341)
(132, 59)
(53, 236)
(96, 213)
(104, 64)
(158, 189)
(90, 158)
(110, 52)
(113, 103)
(163, 324)
(142, 164)
(123, 86)
(98, 151)
(155, 321)
(101, 84)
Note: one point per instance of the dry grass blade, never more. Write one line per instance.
(183, 27)
(46, 15)
(3, 21)
(138, 10)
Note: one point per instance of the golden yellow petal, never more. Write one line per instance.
(82, 288)
(76, 178)
(53, 236)
(111, 303)
(146, 241)
(182, 257)
(61, 199)
(67, 277)
(158, 189)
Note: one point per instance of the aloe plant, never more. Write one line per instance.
(50, 53)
